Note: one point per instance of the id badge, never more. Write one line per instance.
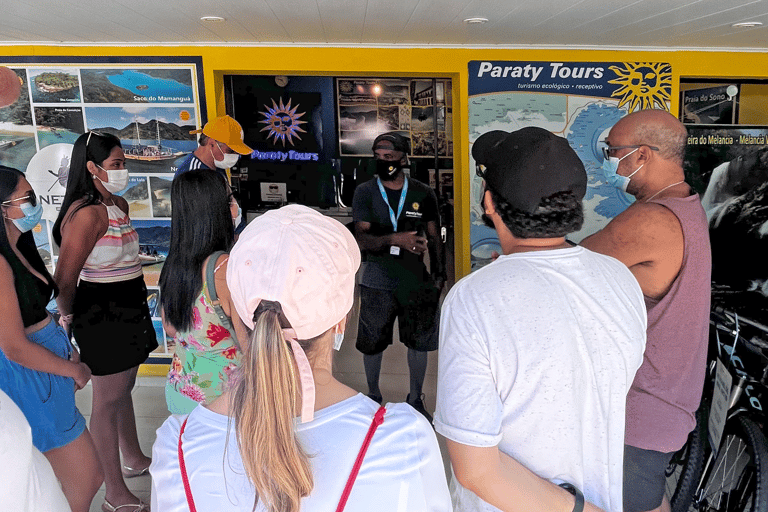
(394, 250)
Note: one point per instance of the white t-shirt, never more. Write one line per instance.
(28, 481)
(537, 352)
(402, 470)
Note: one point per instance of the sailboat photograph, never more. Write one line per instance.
(151, 152)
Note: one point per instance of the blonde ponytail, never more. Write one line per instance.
(264, 403)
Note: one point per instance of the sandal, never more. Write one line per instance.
(133, 507)
(129, 472)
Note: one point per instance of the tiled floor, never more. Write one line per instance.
(149, 396)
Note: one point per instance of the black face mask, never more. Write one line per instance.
(388, 171)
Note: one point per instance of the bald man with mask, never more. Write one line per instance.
(663, 239)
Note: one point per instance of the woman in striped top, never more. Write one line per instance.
(103, 299)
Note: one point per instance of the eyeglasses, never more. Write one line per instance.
(607, 149)
(88, 140)
(29, 198)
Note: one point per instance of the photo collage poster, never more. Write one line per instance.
(579, 101)
(417, 108)
(728, 167)
(151, 108)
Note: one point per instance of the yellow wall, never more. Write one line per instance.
(442, 62)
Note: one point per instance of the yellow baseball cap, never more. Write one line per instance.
(226, 130)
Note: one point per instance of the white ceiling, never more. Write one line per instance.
(584, 23)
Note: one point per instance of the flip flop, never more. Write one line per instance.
(129, 472)
(132, 507)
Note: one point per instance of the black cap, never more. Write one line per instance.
(529, 164)
(392, 140)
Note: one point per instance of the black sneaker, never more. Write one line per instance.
(375, 398)
(418, 404)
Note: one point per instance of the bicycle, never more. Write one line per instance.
(724, 465)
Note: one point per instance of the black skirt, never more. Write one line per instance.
(112, 325)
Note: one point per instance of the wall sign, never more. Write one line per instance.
(580, 101)
(151, 104)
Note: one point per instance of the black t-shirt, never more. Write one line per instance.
(384, 270)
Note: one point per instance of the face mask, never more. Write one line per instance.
(338, 338)
(611, 165)
(388, 171)
(31, 218)
(117, 179)
(229, 160)
(237, 220)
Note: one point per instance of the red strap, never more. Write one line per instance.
(378, 419)
(183, 468)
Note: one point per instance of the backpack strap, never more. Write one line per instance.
(210, 279)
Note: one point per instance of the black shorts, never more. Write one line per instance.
(644, 478)
(112, 325)
(417, 308)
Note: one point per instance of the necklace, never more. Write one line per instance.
(662, 190)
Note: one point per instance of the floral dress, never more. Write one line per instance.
(204, 359)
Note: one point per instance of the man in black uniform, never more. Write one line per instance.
(396, 222)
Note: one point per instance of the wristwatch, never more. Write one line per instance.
(578, 505)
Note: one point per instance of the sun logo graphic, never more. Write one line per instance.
(643, 85)
(282, 122)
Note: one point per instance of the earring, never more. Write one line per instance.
(338, 338)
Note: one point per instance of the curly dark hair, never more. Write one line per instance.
(556, 216)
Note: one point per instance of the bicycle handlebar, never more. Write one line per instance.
(731, 318)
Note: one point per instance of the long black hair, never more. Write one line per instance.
(9, 180)
(89, 147)
(201, 224)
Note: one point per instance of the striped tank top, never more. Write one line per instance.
(115, 257)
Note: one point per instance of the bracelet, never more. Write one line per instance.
(578, 505)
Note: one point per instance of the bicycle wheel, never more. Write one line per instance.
(685, 468)
(737, 480)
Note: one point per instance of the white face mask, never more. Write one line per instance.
(237, 220)
(117, 179)
(229, 160)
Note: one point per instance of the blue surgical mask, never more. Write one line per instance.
(31, 218)
(611, 165)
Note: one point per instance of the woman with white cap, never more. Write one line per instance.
(302, 441)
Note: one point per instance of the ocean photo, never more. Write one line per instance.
(137, 85)
(48, 136)
(16, 148)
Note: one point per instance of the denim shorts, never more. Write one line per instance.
(47, 400)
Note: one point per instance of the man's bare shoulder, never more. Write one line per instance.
(638, 235)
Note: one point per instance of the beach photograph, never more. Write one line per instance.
(137, 196)
(154, 242)
(54, 85)
(58, 125)
(161, 196)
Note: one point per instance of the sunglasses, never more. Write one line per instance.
(88, 140)
(29, 198)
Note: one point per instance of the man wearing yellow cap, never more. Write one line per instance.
(221, 144)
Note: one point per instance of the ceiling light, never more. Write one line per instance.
(211, 18)
(747, 24)
(476, 21)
